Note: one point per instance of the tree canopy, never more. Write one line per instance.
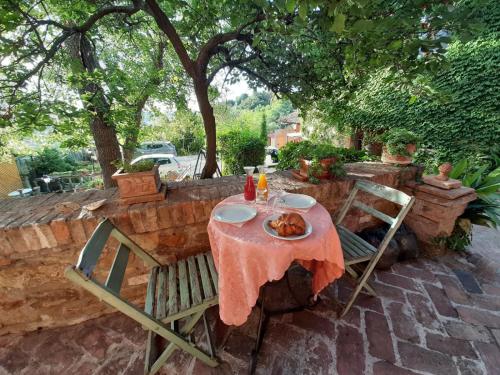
(89, 68)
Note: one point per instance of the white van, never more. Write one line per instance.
(158, 147)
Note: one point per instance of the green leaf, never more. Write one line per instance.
(459, 169)
(303, 10)
(395, 44)
(290, 5)
(339, 23)
(362, 25)
(331, 8)
(473, 180)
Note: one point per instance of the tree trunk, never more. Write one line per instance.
(107, 149)
(207, 113)
(133, 134)
(104, 134)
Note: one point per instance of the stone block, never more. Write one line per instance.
(450, 345)
(61, 232)
(441, 302)
(350, 352)
(424, 311)
(490, 354)
(446, 194)
(480, 317)
(396, 280)
(379, 336)
(469, 332)
(403, 322)
(427, 361)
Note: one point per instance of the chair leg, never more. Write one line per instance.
(361, 285)
(355, 276)
(151, 352)
(190, 348)
(208, 333)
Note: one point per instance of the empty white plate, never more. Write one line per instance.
(234, 213)
(275, 234)
(299, 201)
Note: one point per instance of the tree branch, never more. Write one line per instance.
(230, 63)
(128, 10)
(210, 47)
(270, 85)
(166, 26)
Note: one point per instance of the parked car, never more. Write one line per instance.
(170, 167)
(158, 147)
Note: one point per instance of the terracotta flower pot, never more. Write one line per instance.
(325, 168)
(387, 157)
(138, 184)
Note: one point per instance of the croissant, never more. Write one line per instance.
(291, 224)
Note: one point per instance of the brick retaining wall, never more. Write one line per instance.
(37, 242)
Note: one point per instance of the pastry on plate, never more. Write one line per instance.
(291, 224)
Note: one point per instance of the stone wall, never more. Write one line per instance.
(434, 213)
(37, 241)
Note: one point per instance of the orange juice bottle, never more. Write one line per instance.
(262, 190)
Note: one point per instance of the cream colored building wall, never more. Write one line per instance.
(9, 178)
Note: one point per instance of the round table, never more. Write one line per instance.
(246, 257)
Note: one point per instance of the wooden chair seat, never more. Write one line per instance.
(354, 248)
(182, 288)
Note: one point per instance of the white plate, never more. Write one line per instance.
(275, 234)
(235, 213)
(300, 201)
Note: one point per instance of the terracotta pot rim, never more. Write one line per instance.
(119, 173)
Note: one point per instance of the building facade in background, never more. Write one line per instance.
(290, 131)
(9, 178)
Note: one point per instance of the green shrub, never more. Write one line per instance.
(397, 139)
(141, 166)
(239, 148)
(290, 154)
(50, 160)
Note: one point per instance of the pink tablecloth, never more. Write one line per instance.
(246, 258)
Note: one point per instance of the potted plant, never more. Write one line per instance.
(139, 182)
(399, 146)
(319, 161)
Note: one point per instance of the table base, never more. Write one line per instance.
(265, 314)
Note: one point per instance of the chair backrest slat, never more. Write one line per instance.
(117, 272)
(372, 211)
(93, 248)
(146, 258)
(385, 192)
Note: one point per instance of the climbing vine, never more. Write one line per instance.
(457, 117)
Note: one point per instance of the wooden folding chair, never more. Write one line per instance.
(184, 290)
(355, 249)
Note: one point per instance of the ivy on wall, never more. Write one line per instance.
(461, 119)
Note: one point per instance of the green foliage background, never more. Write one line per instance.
(240, 148)
(458, 117)
(49, 160)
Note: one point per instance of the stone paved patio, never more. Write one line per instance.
(425, 320)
